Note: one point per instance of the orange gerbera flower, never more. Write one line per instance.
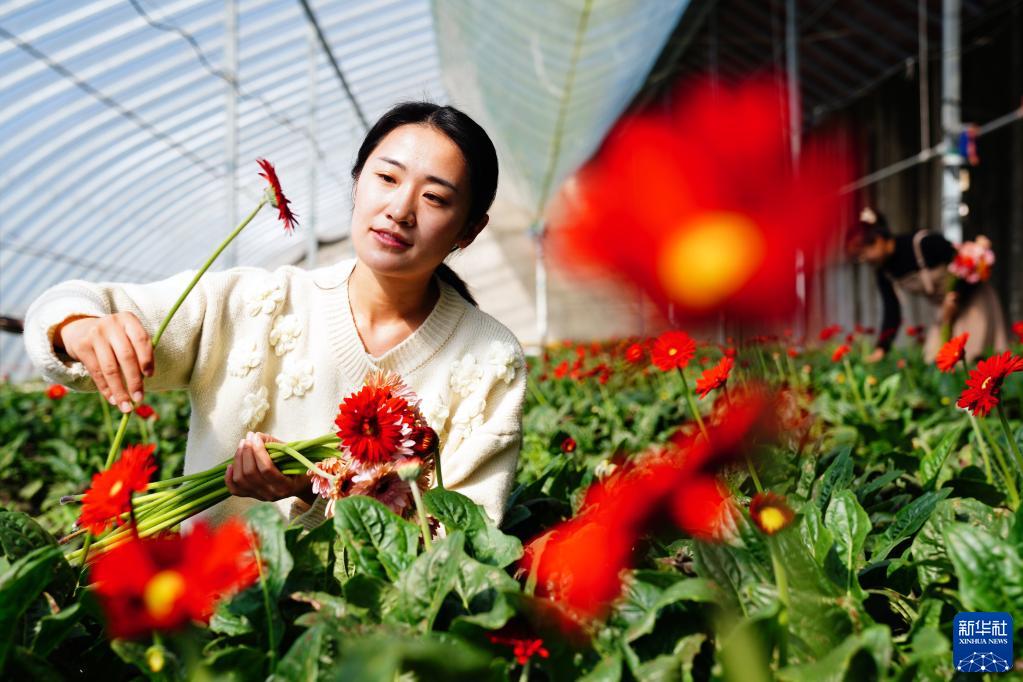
(673, 350)
(276, 195)
(714, 377)
(109, 496)
(951, 353)
(770, 512)
(985, 383)
(164, 583)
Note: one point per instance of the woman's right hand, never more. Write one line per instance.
(115, 349)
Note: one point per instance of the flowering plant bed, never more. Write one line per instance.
(744, 511)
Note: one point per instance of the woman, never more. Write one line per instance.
(275, 352)
(917, 264)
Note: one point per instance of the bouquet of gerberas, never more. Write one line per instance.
(383, 448)
(972, 263)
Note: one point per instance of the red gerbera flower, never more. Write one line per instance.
(374, 427)
(165, 582)
(109, 496)
(145, 411)
(840, 352)
(634, 354)
(523, 648)
(698, 204)
(951, 353)
(276, 196)
(914, 330)
(56, 392)
(568, 445)
(714, 377)
(985, 382)
(831, 330)
(673, 350)
(1017, 329)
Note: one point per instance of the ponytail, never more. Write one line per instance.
(448, 276)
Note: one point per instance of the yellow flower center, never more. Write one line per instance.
(162, 591)
(984, 385)
(116, 487)
(710, 258)
(672, 351)
(772, 520)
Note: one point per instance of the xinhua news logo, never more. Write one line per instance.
(982, 642)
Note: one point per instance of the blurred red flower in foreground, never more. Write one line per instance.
(714, 377)
(165, 582)
(701, 207)
(56, 392)
(951, 353)
(673, 350)
(276, 194)
(579, 562)
(109, 496)
(985, 382)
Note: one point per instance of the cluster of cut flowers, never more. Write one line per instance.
(973, 261)
(382, 448)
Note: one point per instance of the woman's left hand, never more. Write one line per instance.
(253, 473)
(949, 307)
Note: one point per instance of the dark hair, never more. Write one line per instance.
(872, 226)
(475, 145)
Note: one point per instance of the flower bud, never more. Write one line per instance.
(409, 469)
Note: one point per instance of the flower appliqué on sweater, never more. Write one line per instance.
(264, 297)
(502, 360)
(466, 374)
(436, 413)
(243, 360)
(284, 333)
(296, 379)
(468, 417)
(254, 407)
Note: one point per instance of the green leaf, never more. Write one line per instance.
(688, 590)
(302, 662)
(933, 460)
(860, 657)
(836, 477)
(990, 571)
(928, 548)
(736, 572)
(608, 670)
(20, 585)
(424, 585)
(907, 521)
(485, 542)
(815, 534)
(481, 588)
(429, 658)
(54, 628)
(268, 524)
(382, 544)
(19, 535)
(849, 524)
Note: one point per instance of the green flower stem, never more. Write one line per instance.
(1007, 430)
(424, 526)
(781, 580)
(851, 378)
(535, 392)
(115, 444)
(982, 445)
(271, 649)
(692, 403)
(753, 474)
(308, 465)
(436, 470)
(1010, 478)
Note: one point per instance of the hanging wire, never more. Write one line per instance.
(108, 101)
(231, 80)
(333, 61)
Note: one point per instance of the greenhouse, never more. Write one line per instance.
(511, 339)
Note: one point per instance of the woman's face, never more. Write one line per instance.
(411, 203)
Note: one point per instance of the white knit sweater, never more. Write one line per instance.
(277, 352)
